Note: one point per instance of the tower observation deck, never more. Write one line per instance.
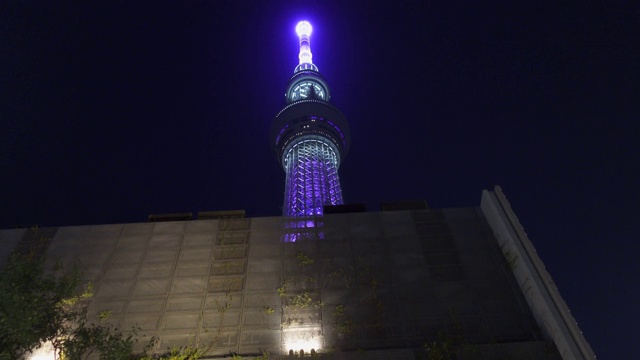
(310, 138)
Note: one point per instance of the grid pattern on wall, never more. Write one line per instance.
(388, 280)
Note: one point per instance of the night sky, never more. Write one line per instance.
(109, 113)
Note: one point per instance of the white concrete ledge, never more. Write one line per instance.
(548, 307)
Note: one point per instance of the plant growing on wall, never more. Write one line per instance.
(39, 305)
(264, 356)
(442, 349)
(340, 273)
(343, 324)
(282, 290)
(304, 259)
(303, 301)
(268, 310)
(179, 353)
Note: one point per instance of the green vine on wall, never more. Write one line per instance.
(268, 310)
(303, 301)
(441, 349)
(282, 290)
(304, 259)
(343, 324)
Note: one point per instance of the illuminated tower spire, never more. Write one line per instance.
(304, 32)
(310, 137)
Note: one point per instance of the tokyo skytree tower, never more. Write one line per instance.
(310, 138)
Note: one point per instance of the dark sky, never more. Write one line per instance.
(109, 113)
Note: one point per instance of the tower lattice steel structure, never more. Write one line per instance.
(310, 138)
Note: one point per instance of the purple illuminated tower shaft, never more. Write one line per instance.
(310, 138)
(312, 178)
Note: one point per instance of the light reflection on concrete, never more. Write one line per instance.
(306, 339)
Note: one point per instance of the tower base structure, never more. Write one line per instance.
(404, 284)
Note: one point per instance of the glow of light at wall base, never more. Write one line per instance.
(44, 352)
(302, 339)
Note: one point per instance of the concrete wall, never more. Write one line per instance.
(542, 295)
(384, 283)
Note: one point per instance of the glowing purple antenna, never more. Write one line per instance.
(304, 32)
